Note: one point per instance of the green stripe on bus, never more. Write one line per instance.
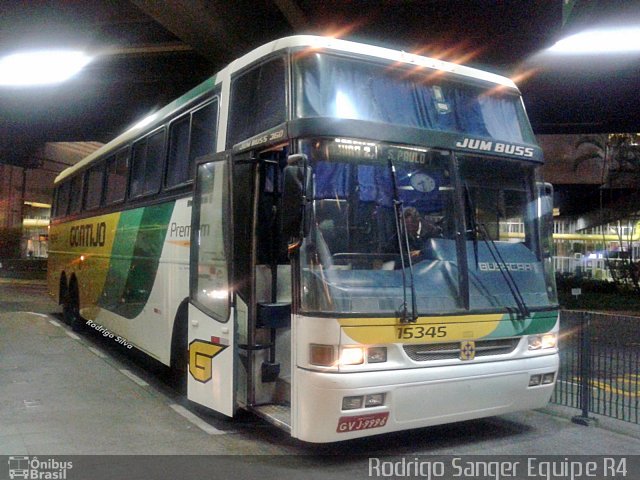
(136, 256)
(539, 322)
(121, 254)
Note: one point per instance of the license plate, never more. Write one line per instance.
(362, 422)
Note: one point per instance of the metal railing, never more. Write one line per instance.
(599, 365)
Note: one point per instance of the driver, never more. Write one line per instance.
(418, 229)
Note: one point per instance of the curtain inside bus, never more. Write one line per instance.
(333, 86)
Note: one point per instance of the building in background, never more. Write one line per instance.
(597, 197)
(25, 197)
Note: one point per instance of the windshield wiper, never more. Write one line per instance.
(476, 228)
(523, 310)
(403, 245)
(472, 220)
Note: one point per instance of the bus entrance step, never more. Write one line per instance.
(283, 391)
(278, 415)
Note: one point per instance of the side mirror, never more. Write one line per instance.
(545, 199)
(545, 214)
(295, 193)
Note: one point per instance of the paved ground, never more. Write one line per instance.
(61, 393)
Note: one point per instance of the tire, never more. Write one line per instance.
(179, 354)
(71, 308)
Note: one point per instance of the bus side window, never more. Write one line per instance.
(177, 162)
(93, 184)
(203, 134)
(117, 167)
(191, 137)
(62, 199)
(257, 101)
(75, 194)
(146, 164)
(155, 162)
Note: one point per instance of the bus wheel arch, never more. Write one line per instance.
(178, 368)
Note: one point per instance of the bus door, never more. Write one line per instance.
(211, 314)
(264, 293)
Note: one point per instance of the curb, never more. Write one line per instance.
(600, 421)
(22, 281)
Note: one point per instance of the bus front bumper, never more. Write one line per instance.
(416, 397)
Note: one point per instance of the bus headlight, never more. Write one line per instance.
(541, 342)
(352, 403)
(352, 356)
(376, 354)
(325, 355)
(548, 378)
(360, 401)
(374, 400)
(535, 380)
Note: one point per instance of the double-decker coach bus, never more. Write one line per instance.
(314, 234)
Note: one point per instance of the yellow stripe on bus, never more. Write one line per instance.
(425, 330)
(366, 321)
(84, 248)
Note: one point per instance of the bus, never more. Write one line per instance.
(314, 235)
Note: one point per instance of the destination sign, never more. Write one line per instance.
(352, 149)
(348, 149)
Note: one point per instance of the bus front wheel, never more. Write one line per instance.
(178, 370)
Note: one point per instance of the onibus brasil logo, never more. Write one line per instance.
(36, 469)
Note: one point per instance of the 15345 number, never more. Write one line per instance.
(419, 331)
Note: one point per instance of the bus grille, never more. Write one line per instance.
(449, 351)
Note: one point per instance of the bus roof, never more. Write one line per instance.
(297, 41)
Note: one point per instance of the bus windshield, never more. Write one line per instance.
(340, 87)
(356, 259)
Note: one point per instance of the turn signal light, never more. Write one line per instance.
(322, 355)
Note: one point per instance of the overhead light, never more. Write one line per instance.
(615, 40)
(41, 67)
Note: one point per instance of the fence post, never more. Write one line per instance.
(585, 373)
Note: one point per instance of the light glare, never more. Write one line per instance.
(344, 106)
(622, 40)
(145, 121)
(549, 340)
(352, 356)
(41, 68)
(218, 294)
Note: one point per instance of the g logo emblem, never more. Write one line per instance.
(200, 355)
